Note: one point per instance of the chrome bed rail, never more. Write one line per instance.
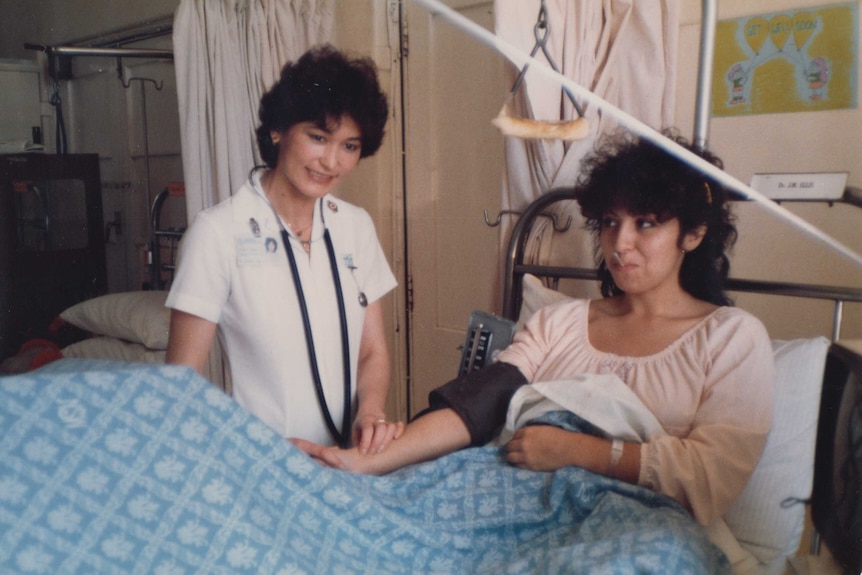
(516, 268)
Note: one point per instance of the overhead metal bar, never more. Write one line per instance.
(709, 13)
(111, 44)
(110, 52)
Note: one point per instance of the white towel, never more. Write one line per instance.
(603, 400)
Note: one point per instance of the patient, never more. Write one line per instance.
(664, 326)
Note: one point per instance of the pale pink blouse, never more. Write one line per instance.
(711, 389)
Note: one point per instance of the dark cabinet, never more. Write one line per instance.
(52, 251)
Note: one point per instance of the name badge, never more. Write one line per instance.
(255, 251)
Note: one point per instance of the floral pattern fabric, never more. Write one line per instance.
(121, 468)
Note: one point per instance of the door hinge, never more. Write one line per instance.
(397, 16)
(409, 294)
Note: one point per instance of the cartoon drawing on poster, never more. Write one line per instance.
(785, 62)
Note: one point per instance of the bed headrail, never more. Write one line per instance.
(516, 267)
(157, 234)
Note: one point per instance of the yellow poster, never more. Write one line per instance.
(801, 60)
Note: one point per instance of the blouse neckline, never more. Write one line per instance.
(671, 347)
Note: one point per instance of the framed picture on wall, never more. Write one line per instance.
(793, 61)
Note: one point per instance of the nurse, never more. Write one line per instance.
(289, 276)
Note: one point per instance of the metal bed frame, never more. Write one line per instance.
(516, 267)
(157, 242)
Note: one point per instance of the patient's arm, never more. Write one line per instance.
(480, 400)
(431, 436)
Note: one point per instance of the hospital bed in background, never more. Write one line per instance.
(164, 241)
(133, 326)
(126, 326)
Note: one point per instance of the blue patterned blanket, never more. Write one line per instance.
(121, 468)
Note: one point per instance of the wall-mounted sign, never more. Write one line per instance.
(800, 60)
(819, 186)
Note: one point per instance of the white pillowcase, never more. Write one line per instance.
(138, 317)
(760, 519)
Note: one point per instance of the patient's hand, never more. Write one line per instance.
(333, 456)
(322, 454)
(543, 448)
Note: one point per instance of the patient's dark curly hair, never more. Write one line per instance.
(634, 174)
(321, 86)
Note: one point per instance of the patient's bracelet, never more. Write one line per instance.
(616, 455)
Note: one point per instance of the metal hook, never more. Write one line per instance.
(127, 84)
(542, 31)
(557, 228)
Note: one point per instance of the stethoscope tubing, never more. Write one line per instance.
(342, 437)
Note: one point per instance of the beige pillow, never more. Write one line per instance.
(535, 295)
(112, 349)
(138, 317)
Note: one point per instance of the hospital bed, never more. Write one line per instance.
(124, 467)
(133, 326)
(814, 452)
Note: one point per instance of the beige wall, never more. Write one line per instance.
(792, 142)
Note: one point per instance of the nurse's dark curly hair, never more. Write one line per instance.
(633, 174)
(321, 86)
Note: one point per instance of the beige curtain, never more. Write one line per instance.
(623, 51)
(226, 54)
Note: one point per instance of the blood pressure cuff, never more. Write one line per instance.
(480, 398)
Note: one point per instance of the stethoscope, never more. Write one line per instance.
(342, 437)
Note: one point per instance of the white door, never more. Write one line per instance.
(454, 86)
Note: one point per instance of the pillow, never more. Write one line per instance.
(110, 348)
(535, 295)
(139, 317)
(768, 518)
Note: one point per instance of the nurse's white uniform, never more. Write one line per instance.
(232, 270)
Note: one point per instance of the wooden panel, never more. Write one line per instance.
(455, 86)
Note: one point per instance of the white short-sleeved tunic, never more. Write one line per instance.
(233, 270)
(711, 389)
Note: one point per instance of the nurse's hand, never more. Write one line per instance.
(373, 433)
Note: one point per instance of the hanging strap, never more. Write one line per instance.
(530, 129)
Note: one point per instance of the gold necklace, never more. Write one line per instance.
(298, 232)
(306, 244)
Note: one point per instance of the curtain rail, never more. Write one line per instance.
(111, 52)
(110, 44)
(128, 35)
